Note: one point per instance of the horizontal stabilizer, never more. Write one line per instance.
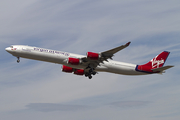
(161, 68)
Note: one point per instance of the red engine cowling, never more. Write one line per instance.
(79, 72)
(73, 61)
(67, 69)
(92, 56)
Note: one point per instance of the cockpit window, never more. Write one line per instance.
(11, 47)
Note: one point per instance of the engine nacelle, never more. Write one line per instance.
(73, 61)
(67, 69)
(79, 72)
(92, 56)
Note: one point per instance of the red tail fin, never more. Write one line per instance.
(156, 62)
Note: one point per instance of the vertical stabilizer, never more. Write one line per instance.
(156, 62)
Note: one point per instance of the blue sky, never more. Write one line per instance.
(38, 90)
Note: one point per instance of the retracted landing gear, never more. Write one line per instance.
(18, 59)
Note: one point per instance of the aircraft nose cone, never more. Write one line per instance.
(7, 49)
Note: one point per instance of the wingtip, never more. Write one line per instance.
(172, 66)
(127, 44)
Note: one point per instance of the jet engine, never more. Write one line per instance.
(73, 61)
(92, 56)
(79, 72)
(67, 69)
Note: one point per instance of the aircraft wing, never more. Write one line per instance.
(103, 56)
(110, 53)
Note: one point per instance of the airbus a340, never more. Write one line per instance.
(91, 63)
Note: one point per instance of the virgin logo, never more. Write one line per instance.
(157, 63)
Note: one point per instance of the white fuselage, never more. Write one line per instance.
(60, 57)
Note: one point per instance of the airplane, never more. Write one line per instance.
(92, 63)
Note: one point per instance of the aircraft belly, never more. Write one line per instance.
(117, 68)
(122, 70)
